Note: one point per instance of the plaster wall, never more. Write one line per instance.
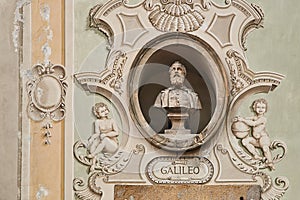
(9, 97)
(275, 48)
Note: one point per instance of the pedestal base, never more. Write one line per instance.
(178, 119)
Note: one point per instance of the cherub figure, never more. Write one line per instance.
(259, 137)
(105, 137)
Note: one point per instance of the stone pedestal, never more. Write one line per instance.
(178, 117)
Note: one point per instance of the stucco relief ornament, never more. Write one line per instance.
(103, 143)
(46, 93)
(242, 78)
(174, 15)
(101, 151)
(251, 131)
(112, 76)
(223, 37)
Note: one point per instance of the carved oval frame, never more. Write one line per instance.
(36, 110)
(217, 81)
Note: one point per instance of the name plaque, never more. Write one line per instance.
(182, 170)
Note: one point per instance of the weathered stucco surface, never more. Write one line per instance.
(8, 103)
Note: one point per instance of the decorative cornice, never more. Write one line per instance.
(112, 76)
(100, 24)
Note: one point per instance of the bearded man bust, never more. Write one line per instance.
(177, 95)
(178, 100)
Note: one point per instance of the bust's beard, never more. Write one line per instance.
(177, 80)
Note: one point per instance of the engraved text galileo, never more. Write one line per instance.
(180, 170)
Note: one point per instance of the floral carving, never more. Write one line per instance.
(174, 16)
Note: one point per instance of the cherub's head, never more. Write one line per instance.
(260, 106)
(101, 110)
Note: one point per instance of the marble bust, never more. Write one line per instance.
(178, 100)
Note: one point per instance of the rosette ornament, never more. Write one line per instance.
(176, 16)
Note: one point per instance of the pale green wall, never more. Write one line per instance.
(272, 48)
(275, 48)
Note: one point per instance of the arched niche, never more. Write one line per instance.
(149, 75)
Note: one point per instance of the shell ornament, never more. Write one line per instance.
(176, 17)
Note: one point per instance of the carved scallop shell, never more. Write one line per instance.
(176, 17)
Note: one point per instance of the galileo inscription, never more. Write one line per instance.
(189, 170)
(180, 170)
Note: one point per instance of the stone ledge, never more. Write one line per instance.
(187, 192)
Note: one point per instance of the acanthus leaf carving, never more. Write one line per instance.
(277, 144)
(107, 165)
(240, 165)
(87, 191)
(272, 190)
(242, 77)
(111, 76)
(100, 170)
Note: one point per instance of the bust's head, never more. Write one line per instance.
(177, 73)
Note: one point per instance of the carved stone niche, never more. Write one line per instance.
(149, 76)
(177, 72)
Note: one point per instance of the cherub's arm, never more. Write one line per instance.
(254, 121)
(96, 132)
(97, 127)
(114, 131)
